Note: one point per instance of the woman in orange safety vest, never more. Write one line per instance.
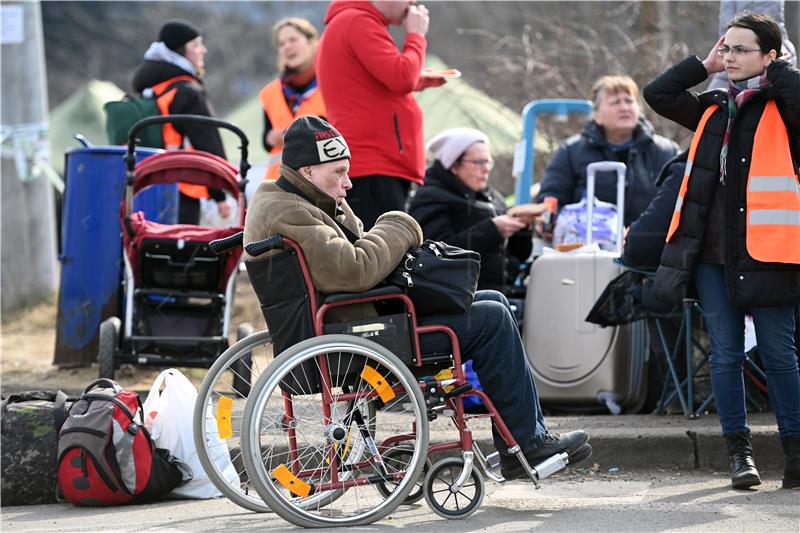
(735, 230)
(173, 69)
(295, 92)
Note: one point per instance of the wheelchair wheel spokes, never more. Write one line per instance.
(318, 463)
(218, 416)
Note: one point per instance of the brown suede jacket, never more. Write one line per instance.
(335, 264)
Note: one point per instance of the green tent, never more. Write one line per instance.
(81, 113)
(458, 104)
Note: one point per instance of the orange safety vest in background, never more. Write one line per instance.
(173, 140)
(773, 191)
(281, 116)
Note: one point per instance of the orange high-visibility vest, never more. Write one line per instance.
(773, 191)
(173, 140)
(281, 116)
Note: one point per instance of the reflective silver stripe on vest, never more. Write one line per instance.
(773, 184)
(689, 165)
(783, 217)
(678, 204)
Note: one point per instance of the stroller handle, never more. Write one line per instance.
(130, 158)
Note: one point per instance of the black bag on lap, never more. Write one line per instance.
(440, 279)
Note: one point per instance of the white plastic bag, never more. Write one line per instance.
(169, 410)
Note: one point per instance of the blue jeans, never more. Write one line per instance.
(488, 334)
(775, 335)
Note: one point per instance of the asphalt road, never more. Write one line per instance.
(578, 501)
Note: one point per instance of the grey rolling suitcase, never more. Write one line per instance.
(576, 364)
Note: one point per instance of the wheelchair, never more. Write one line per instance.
(334, 431)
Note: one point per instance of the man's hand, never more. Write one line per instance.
(417, 20)
(224, 209)
(275, 137)
(428, 79)
(507, 225)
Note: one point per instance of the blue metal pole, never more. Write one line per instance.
(557, 106)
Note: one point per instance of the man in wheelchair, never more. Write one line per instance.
(307, 205)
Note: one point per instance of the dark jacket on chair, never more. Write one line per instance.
(646, 237)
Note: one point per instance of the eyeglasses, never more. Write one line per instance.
(488, 163)
(736, 50)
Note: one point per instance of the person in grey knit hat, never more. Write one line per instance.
(308, 205)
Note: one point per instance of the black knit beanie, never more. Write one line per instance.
(310, 140)
(177, 33)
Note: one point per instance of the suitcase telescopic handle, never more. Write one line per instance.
(591, 170)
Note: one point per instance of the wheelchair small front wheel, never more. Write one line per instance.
(443, 499)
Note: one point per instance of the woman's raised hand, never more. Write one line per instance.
(714, 62)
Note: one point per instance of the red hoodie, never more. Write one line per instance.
(368, 87)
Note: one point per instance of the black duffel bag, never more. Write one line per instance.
(440, 279)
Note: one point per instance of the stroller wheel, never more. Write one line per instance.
(109, 334)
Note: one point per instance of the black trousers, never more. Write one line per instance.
(374, 195)
(188, 210)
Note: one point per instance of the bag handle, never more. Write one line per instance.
(59, 399)
(103, 381)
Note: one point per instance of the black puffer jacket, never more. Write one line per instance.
(750, 283)
(565, 177)
(645, 240)
(449, 211)
(190, 99)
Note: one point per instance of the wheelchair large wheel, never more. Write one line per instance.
(399, 456)
(218, 414)
(241, 366)
(311, 454)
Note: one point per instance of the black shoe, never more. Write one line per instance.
(743, 468)
(791, 453)
(553, 443)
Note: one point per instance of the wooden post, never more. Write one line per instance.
(28, 264)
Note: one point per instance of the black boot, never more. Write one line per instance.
(791, 453)
(740, 454)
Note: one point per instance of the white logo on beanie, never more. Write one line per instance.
(332, 149)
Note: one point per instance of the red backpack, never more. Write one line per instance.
(106, 455)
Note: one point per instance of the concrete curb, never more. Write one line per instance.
(650, 442)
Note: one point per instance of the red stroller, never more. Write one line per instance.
(178, 292)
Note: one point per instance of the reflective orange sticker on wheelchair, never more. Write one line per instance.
(224, 425)
(292, 483)
(378, 382)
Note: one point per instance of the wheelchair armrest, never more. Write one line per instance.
(377, 291)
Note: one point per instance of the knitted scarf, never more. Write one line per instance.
(298, 85)
(739, 92)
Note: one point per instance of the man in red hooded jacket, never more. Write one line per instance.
(368, 85)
